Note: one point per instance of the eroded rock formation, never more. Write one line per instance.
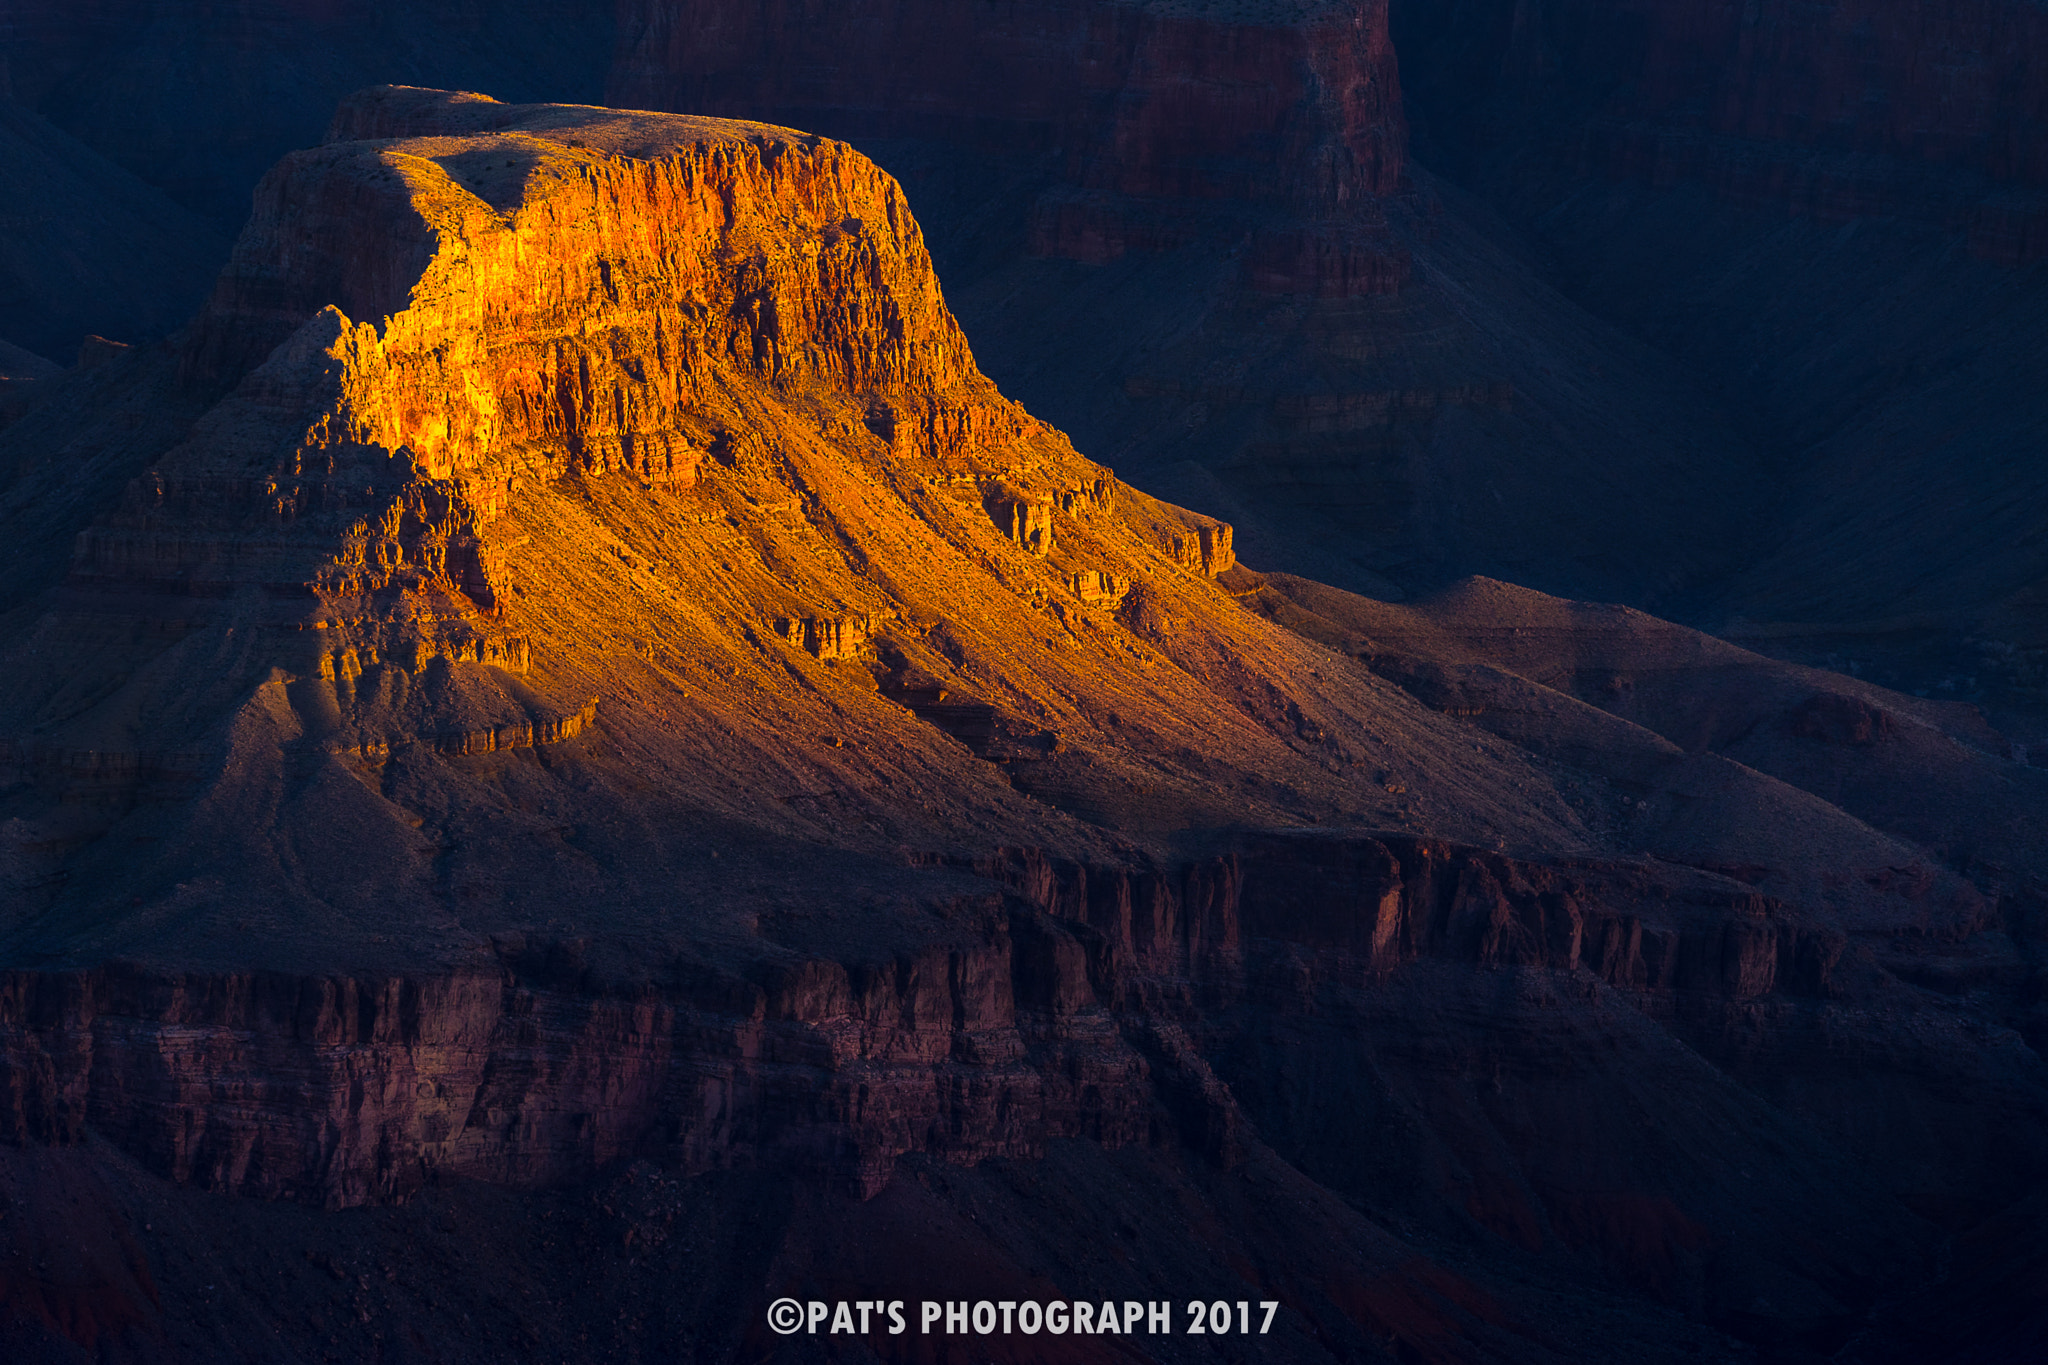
(1187, 233)
(568, 670)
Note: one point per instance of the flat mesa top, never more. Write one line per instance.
(404, 112)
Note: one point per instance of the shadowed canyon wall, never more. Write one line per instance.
(1841, 110)
(1833, 213)
(1310, 996)
(1329, 358)
(88, 248)
(1046, 1026)
(1166, 122)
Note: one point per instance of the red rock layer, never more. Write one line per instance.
(543, 241)
(1158, 114)
(1069, 1016)
(500, 310)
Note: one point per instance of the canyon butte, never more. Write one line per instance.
(1615, 300)
(571, 766)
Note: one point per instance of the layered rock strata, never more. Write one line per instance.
(1180, 231)
(348, 1089)
(568, 661)
(1726, 182)
(1160, 116)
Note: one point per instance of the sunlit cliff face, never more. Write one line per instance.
(529, 307)
(541, 415)
(537, 418)
(590, 295)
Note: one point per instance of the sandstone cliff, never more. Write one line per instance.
(567, 673)
(1186, 233)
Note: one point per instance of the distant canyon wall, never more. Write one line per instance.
(1284, 118)
(1838, 109)
(199, 98)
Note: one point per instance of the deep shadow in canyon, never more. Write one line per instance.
(584, 752)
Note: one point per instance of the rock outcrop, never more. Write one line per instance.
(1189, 234)
(1037, 1032)
(568, 669)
